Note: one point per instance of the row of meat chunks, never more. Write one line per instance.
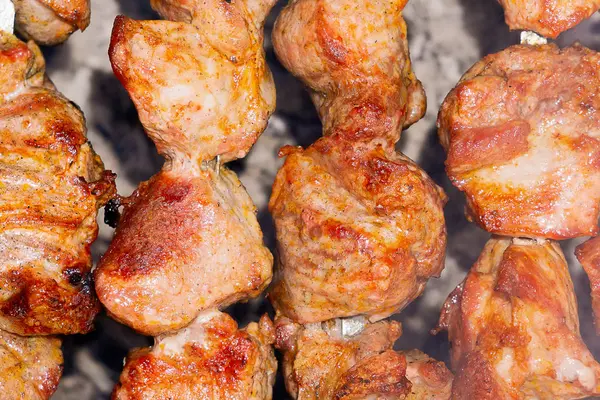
(360, 227)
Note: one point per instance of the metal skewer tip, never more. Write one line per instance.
(7, 16)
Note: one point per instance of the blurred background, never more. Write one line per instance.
(446, 37)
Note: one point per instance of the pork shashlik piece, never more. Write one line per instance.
(188, 239)
(360, 228)
(348, 359)
(521, 134)
(51, 186)
(547, 17)
(51, 22)
(588, 255)
(30, 367)
(514, 327)
(208, 360)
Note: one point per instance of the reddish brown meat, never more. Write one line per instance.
(521, 131)
(514, 327)
(549, 18)
(51, 186)
(29, 367)
(209, 360)
(360, 228)
(51, 22)
(324, 362)
(189, 239)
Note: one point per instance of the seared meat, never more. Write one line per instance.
(521, 131)
(29, 367)
(51, 22)
(190, 230)
(360, 228)
(360, 231)
(547, 17)
(514, 327)
(201, 247)
(51, 186)
(588, 255)
(210, 359)
(344, 359)
(189, 239)
(354, 58)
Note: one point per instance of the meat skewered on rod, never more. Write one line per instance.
(519, 130)
(51, 22)
(188, 242)
(210, 359)
(514, 327)
(549, 18)
(360, 228)
(188, 239)
(51, 186)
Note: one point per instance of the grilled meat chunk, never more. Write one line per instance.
(360, 228)
(51, 186)
(549, 18)
(209, 360)
(514, 327)
(347, 359)
(30, 367)
(521, 132)
(51, 22)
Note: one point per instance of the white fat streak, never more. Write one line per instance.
(506, 363)
(194, 333)
(7, 16)
(532, 38)
(571, 370)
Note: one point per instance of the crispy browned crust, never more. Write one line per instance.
(181, 247)
(517, 129)
(189, 239)
(360, 228)
(30, 368)
(215, 361)
(52, 186)
(354, 57)
(514, 327)
(319, 363)
(51, 22)
(549, 18)
(588, 255)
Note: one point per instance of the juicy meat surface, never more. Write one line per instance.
(51, 22)
(328, 361)
(189, 239)
(30, 367)
(549, 18)
(51, 186)
(588, 255)
(360, 228)
(514, 327)
(354, 58)
(184, 243)
(522, 132)
(209, 360)
(200, 92)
